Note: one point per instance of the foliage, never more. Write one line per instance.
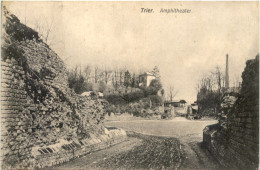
(115, 99)
(121, 92)
(156, 100)
(144, 107)
(18, 31)
(249, 98)
(250, 76)
(210, 91)
(102, 87)
(77, 83)
(162, 92)
(156, 84)
(127, 80)
(209, 100)
(134, 82)
(134, 96)
(149, 91)
(156, 72)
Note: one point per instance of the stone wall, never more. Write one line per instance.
(234, 141)
(64, 151)
(38, 110)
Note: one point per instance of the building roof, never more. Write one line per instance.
(176, 101)
(148, 74)
(182, 101)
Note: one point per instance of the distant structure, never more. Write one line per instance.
(146, 79)
(227, 75)
(176, 103)
(176, 107)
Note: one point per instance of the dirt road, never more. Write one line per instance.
(188, 132)
(152, 144)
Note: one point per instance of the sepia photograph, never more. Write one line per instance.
(130, 85)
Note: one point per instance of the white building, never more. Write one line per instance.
(146, 79)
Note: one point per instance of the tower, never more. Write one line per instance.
(227, 75)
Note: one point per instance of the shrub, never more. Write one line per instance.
(78, 84)
(102, 87)
(156, 84)
(156, 100)
(133, 96)
(115, 99)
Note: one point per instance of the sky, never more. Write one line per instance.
(184, 46)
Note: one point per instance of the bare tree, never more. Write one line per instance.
(107, 74)
(172, 92)
(121, 77)
(87, 73)
(236, 82)
(115, 77)
(96, 74)
(211, 81)
(44, 28)
(48, 31)
(220, 77)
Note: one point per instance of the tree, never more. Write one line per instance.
(87, 72)
(156, 72)
(127, 79)
(156, 84)
(219, 78)
(133, 84)
(96, 74)
(156, 100)
(162, 92)
(210, 91)
(44, 27)
(114, 79)
(236, 82)
(172, 92)
(77, 81)
(107, 74)
(102, 87)
(121, 77)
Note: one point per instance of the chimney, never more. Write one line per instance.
(227, 76)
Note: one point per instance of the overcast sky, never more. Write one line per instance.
(183, 46)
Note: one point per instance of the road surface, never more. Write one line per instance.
(153, 144)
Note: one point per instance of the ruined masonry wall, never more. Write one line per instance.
(13, 102)
(243, 139)
(243, 121)
(43, 122)
(16, 133)
(237, 144)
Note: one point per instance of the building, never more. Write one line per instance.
(179, 107)
(146, 79)
(176, 103)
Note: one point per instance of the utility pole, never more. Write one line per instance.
(227, 75)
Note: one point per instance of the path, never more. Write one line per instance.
(156, 144)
